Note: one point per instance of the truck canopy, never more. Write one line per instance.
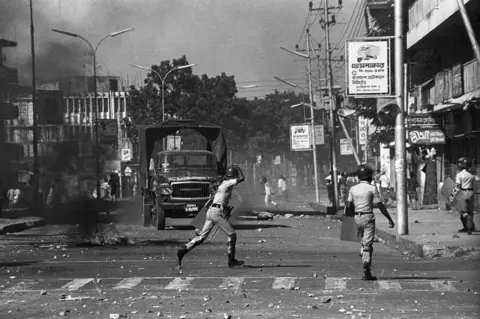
(148, 135)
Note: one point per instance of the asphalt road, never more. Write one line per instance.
(295, 268)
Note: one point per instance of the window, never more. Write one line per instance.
(105, 106)
(115, 102)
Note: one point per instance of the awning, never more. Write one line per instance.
(457, 103)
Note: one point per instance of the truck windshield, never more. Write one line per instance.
(186, 160)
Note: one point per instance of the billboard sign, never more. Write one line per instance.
(319, 135)
(368, 67)
(300, 137)
(345, 148)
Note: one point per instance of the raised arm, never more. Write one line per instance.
(241, 177)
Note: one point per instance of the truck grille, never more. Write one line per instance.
(191, 190)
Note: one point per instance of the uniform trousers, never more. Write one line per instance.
(366, 229)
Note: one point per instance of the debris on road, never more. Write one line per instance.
(326, 299)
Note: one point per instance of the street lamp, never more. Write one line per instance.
(94, 54)
(298, 87)
(162, 80)
(312, 121)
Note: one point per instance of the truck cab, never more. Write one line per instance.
(177, 183)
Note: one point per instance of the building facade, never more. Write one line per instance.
(444, 82)
(66, 131)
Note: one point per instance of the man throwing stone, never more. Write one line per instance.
(215, 215)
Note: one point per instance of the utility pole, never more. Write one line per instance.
(312, 118)
(468, 26)
(333, 152)
(34, 111)
(400, 157)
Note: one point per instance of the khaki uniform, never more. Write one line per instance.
(466, 182)
(215, 215)
(364, 196)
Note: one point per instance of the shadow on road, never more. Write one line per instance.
(235, 226)
(18, 263)
(415, 278)
(278, 266)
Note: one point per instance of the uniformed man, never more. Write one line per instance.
(465, 181)
(215, 215)
(361, 200)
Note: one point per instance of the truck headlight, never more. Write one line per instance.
(165, 189)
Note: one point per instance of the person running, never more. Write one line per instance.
(216, 216)
(268, 193)
(282, 187)
(361, 200)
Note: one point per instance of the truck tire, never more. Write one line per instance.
(160, 218)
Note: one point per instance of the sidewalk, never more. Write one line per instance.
(431, 233)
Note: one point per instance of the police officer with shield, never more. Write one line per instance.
(361, 200)
(465, 182)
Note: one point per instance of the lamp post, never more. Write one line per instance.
(312, 120)
(94, 54)
(303, 95)
(162, 80)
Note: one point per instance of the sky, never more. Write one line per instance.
(238, 37)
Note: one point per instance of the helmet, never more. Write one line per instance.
(364, 172)
(232, 172)
(463, 163)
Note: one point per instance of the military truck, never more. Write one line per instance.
(176, 183)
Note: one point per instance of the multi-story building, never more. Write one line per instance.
(66, 128)
(444, 80)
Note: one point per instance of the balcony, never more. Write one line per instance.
(379, 4)
(454, 86)
(425, 16)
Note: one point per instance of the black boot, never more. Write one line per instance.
(180, 254)
(470, 225)
(232, 262)
(367, 275)
(464, 223)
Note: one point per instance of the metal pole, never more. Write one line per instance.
(468, 26)
(332, 107)
(97, 131)
(34, 111)
(400, 158)
(312, 120)
(365, 154)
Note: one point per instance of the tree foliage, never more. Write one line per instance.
(252, 127)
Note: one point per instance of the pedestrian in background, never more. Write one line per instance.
(282, 187)
(268, 193)
(465, 181)
(330, 192)
(361, 200)
(2, 198)
(342, 184)
(412, 185)
(384, 186)
(114, 183)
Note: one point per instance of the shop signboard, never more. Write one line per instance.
(319, 135)
(368, 67)
(300, 137)
(108, 131)
(424, 129)
(457, 81)
(426, 136)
